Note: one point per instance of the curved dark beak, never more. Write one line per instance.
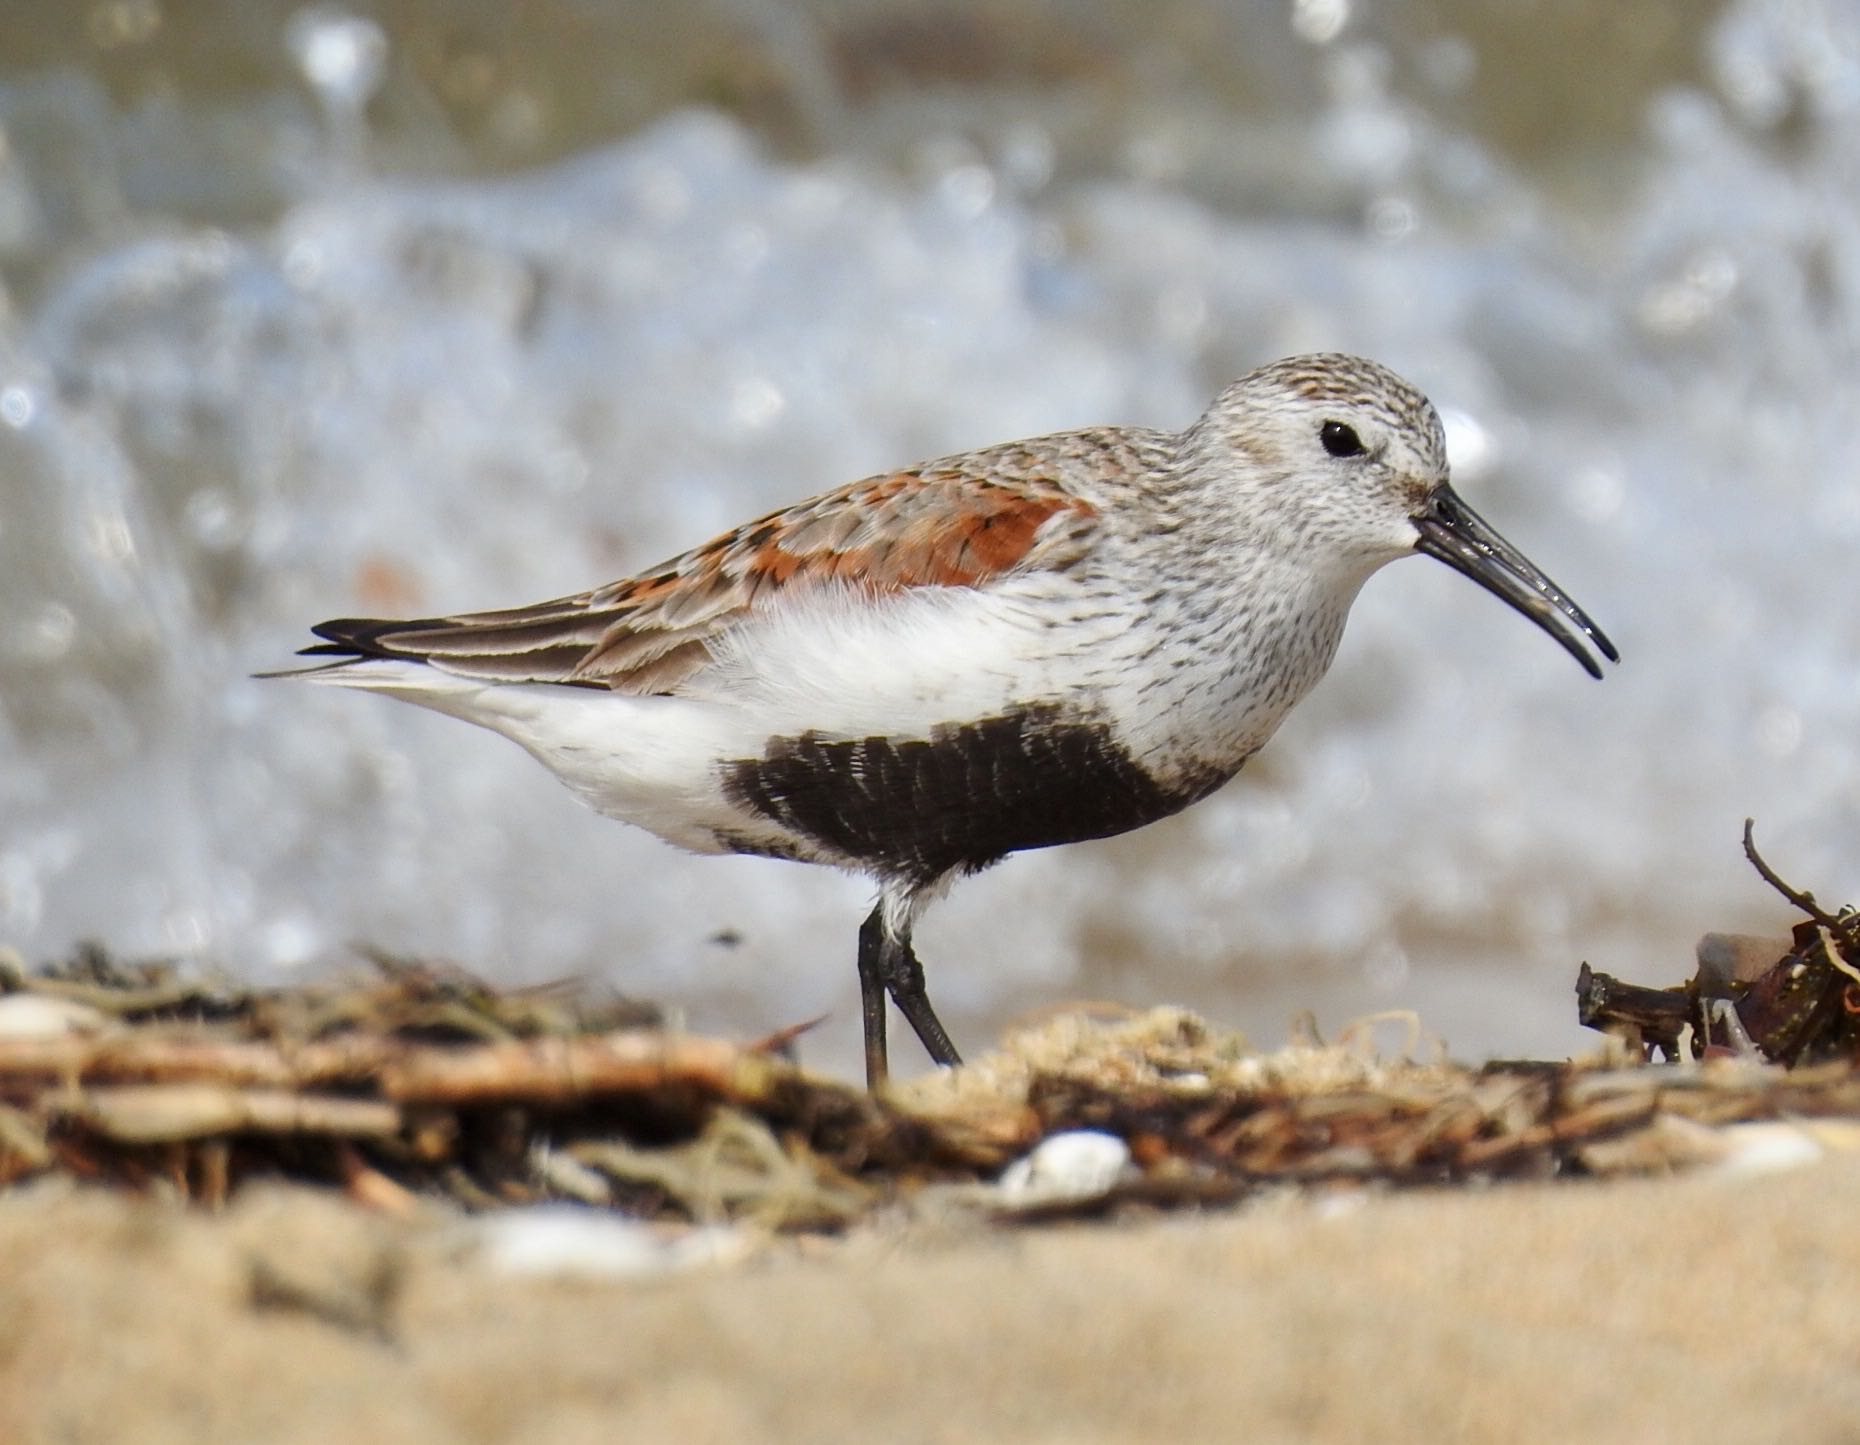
(1459, 536)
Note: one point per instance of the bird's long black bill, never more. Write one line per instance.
(1460, 537)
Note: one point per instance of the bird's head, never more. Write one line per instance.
(1347, 459)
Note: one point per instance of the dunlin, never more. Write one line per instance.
(915, 675)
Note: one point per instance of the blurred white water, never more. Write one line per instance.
(405, 395)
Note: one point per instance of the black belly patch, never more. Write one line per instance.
(960, 799)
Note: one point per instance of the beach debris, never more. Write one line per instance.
(419, 1088)
(1788, 1001)
(364, 1306)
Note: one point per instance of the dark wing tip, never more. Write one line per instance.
(367, 637)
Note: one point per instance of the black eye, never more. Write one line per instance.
(1340, 439)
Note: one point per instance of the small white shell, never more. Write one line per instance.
(569, 1241)
(43, 1016)
(1075, 1166)
(1771, 1146)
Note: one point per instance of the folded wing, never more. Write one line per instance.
(942, 526)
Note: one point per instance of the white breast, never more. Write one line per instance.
(843, 663)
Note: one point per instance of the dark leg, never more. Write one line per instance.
(905, 978)
(872, 995)
(888, 963)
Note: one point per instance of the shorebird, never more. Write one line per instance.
(922, 672)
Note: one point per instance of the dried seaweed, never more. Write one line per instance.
(422, 1084)
(1793, 1005)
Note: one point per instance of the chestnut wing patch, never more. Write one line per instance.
(942, 527)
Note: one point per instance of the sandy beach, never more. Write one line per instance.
(1628, 1311)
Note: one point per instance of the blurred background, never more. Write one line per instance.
(309, 310)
